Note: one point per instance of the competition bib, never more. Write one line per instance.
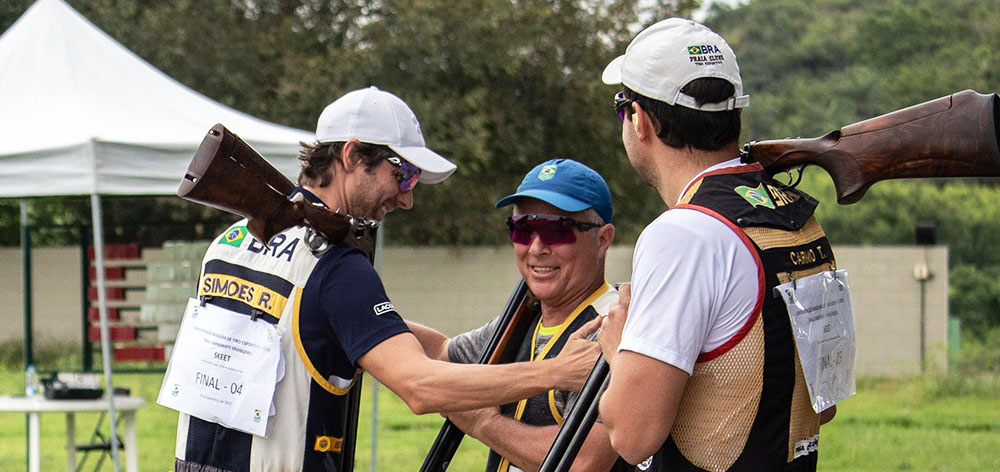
(819, 307)
(223, 368)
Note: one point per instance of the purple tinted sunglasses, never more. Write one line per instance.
(551, 229)
(407, 174)
(622, 104)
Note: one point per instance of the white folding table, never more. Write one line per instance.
(35, 406)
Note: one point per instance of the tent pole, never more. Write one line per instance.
(102, 300)
(29, 356)
(26, 283)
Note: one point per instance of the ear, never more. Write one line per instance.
(605, 235)
(641, 122)
(345, 155)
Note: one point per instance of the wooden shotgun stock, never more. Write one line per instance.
(226, 173)
(952, 136)
(515, 323)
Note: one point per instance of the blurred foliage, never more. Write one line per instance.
(500, 85)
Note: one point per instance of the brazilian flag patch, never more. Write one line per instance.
(234, 237)
(547, 172)
(756, 196)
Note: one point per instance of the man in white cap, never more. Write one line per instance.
(331, 311)
(704, 370)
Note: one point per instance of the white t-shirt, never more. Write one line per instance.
(694, 285)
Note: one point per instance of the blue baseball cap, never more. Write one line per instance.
(567, 185)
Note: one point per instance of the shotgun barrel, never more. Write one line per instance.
(578, 422)
(514, 324)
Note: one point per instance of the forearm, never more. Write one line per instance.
(433, 342)
(523, 445)
(428, 385)
(438, 386)
(526, 445)
(637, 429)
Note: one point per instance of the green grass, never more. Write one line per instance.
(403, 438)
(922, 424)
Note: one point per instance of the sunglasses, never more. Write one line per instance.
(406, 174)
(551, 229)
(622, 104)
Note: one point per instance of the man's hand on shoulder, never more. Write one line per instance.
(578, 357)
(613, 324)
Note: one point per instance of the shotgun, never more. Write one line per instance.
(578, 422)
(515, 323)
(952, 136)
(226, 173)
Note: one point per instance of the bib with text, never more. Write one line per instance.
(819, 307)
(223, 368)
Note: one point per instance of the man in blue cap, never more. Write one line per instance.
(561, 230)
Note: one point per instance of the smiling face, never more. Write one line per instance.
(562, 275)
(373, 193)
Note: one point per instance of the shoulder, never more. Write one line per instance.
(342, 258)
(686, 231)
(602, 305)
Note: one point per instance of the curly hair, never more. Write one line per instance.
(318, 158)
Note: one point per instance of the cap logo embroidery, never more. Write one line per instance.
(547, 172)
(756, 196)
(703, 49)
(705, 54)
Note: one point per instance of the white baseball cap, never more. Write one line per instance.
(373, 116)
(665, 57)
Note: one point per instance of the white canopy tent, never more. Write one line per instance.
(82, 115)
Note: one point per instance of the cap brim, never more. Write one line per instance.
(555, 199)
(433, 167)
(612, 74)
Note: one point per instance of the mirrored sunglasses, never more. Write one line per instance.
(551, 229)
(406, 174)
(622, 104)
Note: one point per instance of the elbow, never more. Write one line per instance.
(419, 398)
(419, 407)
(633, 450)
(636, 457)
(419, 404)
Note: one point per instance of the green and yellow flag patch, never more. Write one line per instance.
(234, 237)
(756, 196)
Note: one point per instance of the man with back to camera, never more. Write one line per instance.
(704, 370)
(331, 311)
(561, 229)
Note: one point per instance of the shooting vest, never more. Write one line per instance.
(746, 406)
(542, 410)
(247, 276)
